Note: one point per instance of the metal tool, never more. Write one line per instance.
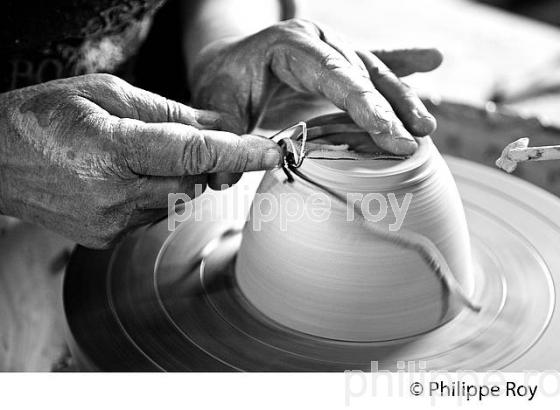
(295, 142)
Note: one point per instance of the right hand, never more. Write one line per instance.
(237, 77)
(92, 157)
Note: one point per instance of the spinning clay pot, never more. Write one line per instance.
(319, 265)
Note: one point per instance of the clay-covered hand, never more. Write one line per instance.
(91, 157)
(237, 76)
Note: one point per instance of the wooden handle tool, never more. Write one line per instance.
(519, 151)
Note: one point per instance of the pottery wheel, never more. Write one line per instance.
(170, 301)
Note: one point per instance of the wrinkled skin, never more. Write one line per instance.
(237, 77)
(92, 157)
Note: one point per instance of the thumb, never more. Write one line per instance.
(226, 152)
(172, 149)
(404, 62)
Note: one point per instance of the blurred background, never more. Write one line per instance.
(506, 51)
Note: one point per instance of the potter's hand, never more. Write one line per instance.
(236, 77)
(91, 157)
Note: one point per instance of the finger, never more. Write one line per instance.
(316, 67)
(170, 149)
(404, 101)
(155, 108)
(405, 62)
(408, 107)
(123, 100)
(339, 45)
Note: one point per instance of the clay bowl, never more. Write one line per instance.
(332, 276)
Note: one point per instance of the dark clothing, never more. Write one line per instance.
(42, 40)
(46, 40)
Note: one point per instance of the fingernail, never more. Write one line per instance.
(271, 159)
(431, 124)
(425, 124)
(405, 146)
(423, 115)
(404, 142)
(208, 119)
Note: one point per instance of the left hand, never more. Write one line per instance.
(236, 78)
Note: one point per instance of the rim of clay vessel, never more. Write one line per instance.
(379, 173)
